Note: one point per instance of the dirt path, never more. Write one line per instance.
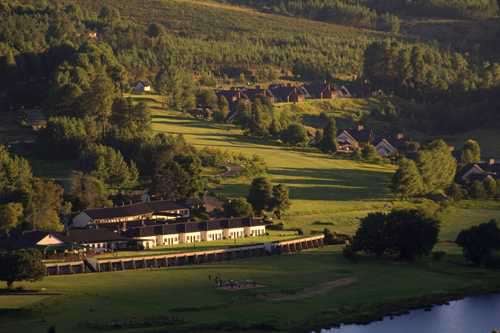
(312, 291)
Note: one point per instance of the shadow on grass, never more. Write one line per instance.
(326, 184)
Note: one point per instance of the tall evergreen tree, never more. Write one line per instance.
(328, 143)
(281, 200)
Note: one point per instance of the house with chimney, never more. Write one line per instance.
(259, 92)
(142, 87)
(392, 145)
(321, 90)
(352, 139)
(289, 93)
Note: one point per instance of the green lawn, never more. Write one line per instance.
(322, 188)
(325, 192)
(187, 293)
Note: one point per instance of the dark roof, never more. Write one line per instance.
(91, 236)
(254, 93)
(319, 88)
(162, 206)
(283, 92)
(232, 95)
(27, 239)
(174, 228)
(361, 134)
(399, 143)
(142, 208)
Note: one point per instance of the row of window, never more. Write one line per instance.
(192, 239)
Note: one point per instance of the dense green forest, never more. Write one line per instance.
(375, 14)
(55, 61)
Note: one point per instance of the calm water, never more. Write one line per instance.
(470, 315)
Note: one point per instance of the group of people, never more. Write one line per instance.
(232, 284)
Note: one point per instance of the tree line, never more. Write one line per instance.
(337, 11)
(455, 91)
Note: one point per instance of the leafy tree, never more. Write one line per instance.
(88, 192)
(407, 181)
(222, 111)
(260, 194)
(98, 100)
(471, 152)
(238, 207)
(177, 178)
(411, 233)
(371, 236)
(22, 265)
(281, 200)
(328, 143)
(10, 216)
(408, 233)
(294, 134)
(130, 120)
(437, 166)
(208, 98)
(109, 166)
(479, 242)
(15, 177)
(45, 206)
(64, 137)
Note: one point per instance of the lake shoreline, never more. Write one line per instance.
(382, 310)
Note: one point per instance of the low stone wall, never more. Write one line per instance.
(185, 258)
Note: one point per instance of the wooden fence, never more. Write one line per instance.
(93, 265)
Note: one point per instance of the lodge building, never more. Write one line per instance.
(193, 232)
(122, 216)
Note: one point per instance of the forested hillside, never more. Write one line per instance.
(52, 53)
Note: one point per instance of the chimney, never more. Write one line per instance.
(492, 161)
(361, 127)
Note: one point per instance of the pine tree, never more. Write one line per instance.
(329, 142)
(281, 200)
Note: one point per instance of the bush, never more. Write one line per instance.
(294, 134)
(479, 242)
(409, 233)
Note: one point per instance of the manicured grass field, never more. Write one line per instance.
(322, 188)
(297, 291)
(325, 192)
